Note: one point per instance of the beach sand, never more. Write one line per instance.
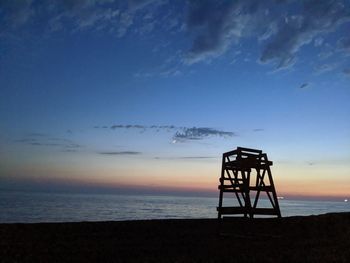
(323, 238)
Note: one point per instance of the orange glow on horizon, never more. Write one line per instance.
(186, 177)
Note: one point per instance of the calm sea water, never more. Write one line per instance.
(43, 207)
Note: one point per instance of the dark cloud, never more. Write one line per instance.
(44, 144)
(120, 153)
(199, 133)
(43, 140)
(181, 133)
(119, 126)
(258, 130)
(284, 26)
(37, 134)
(196, 157)
(26, 140)
(281, 28)
(106, 127)
(143, 127)
(216, 25)
(304, 85)
(211, 21)
(186, 158)
(316, 18)
(61, 145)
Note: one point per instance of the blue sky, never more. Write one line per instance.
(97, 86)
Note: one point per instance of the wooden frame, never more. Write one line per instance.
(238, 168)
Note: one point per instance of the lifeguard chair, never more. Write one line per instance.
(246, 174)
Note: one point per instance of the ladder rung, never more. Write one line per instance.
(267, 188)
(230, 186)
(242, 210)
(233, 179)
(249, 150)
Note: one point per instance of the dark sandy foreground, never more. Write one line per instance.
(324, 238)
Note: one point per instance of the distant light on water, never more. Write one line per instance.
(345, 200)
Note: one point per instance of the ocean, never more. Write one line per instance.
(27, 207)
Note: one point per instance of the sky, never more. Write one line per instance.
(144, 96)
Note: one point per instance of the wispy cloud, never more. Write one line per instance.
(196, 157)
(120, 153)
(218, 25)
(118, 126)
(44, 140)
(115, 17)
(186, 158)
(316, 18)
(194, 133)
(182, 134)
(281, 28)
(137, 126)
(326, 67)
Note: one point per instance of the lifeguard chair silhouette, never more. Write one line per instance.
(246, 174)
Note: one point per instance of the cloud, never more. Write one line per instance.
(190, 134)
(280, 28)
(16, 13)
(196, 157)
(120, 153)
(112, 16)
(318, 41)
(137, 126)
(37, 134)
(171, 67)
(283, 27)
(186, 158)
(139, 4)
(217, 25)
(90, 14)
(43, 140)
(119, 126)
(210, 21)
(258, 130)
(326, 67)
(316, 18)
(181, 134)
(325, 54)
(304, 85)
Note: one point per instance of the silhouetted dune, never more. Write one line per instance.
(323, 238)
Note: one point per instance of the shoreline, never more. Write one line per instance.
(317, 238)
